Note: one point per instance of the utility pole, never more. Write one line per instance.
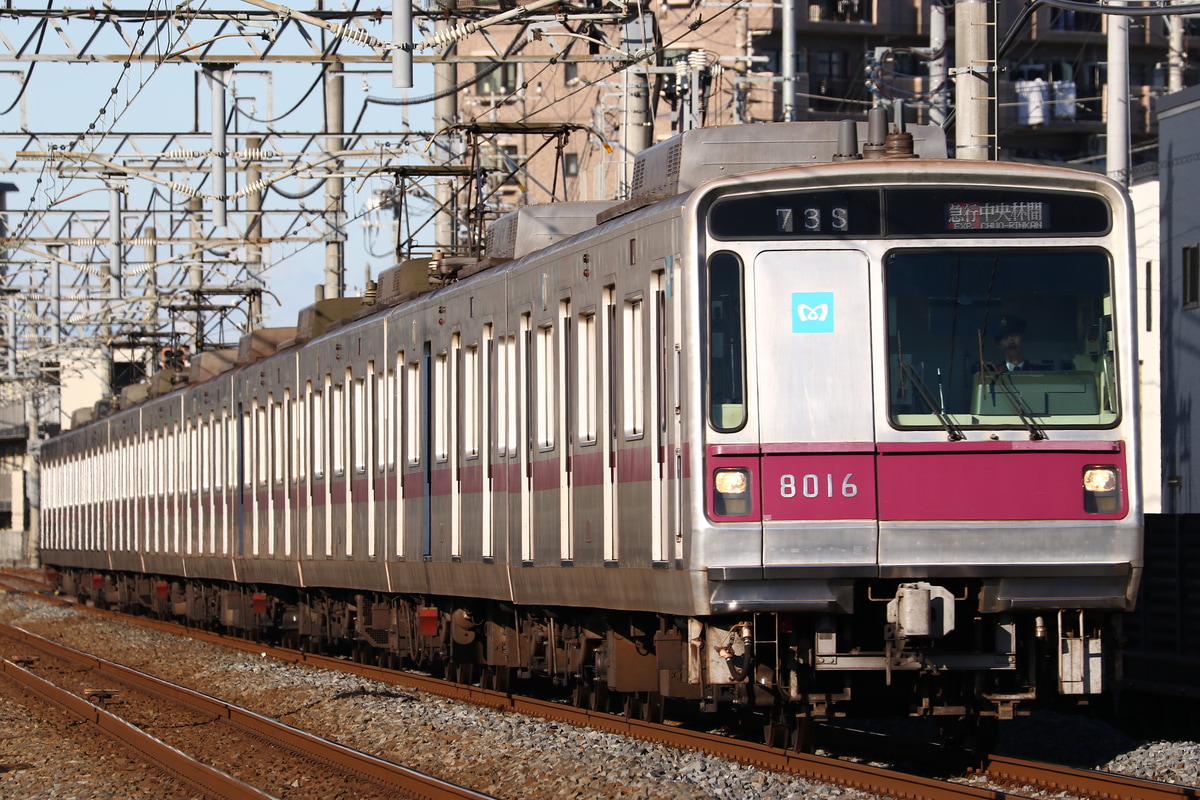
(1117, 98)
(445, 114)
(637, 37)
(218, 76)
(254, 197)
(937, 64)
(972, 79)
(788, 56)
(1176, 58)
(335, 185)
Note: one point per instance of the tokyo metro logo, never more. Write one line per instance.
(812, 312)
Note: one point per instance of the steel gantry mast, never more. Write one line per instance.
(205, 208)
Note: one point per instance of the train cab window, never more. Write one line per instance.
(726, 362)
(1000, 338)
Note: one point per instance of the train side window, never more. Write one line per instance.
(205, 454)
(303, 439)
(501, 391)
(543, 377)
(588, 365)
(382, 417)
(337, 425)
(293, 422)
(359, 414)
(470, 401)
(634, 368)
(262, 436)
(317, 435)
(726, 362)
(247, 477)
(412, 417)
(277, 436)
(394, 406)
(441, 408)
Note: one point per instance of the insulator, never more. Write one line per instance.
(697, 59)
(173, 154)
(256, 154)
(181, 188)
(250, 188)
(355, 35)
(88, 242)
(453, 35)
(142, 241)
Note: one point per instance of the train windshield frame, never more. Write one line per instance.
(998, 337)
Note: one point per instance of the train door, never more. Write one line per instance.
(664, 474)
(812, 362)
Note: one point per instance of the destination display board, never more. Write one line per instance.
(909, 212)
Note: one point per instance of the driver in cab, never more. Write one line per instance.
(1010, 340)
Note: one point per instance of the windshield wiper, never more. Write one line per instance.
(934, 405)
(1013, 395)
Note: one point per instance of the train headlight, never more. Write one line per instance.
(1100, 479)
(1101, 490)
(731, 492)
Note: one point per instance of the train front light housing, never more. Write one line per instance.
(1101, 490)
(731, 492)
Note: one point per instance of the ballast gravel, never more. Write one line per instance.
(504, 754)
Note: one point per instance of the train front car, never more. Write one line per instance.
(919, 436)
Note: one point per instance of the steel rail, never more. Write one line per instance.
(411, 782)
(211, 782)
(1088, 782)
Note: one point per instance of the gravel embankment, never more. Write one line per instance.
(507, 755)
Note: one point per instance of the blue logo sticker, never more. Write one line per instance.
(812, 312)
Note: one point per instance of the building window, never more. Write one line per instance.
(493, 79)
(1191, 276)
(1066, 19)
(839, 11)
(505, 162)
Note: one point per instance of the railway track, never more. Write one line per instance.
(222, 750)
(997, 778)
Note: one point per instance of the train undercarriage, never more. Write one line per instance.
(783, 670)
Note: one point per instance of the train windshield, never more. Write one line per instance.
(1000, 338)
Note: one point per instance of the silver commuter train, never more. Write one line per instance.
(747, 439)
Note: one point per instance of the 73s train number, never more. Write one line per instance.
(812, 485)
